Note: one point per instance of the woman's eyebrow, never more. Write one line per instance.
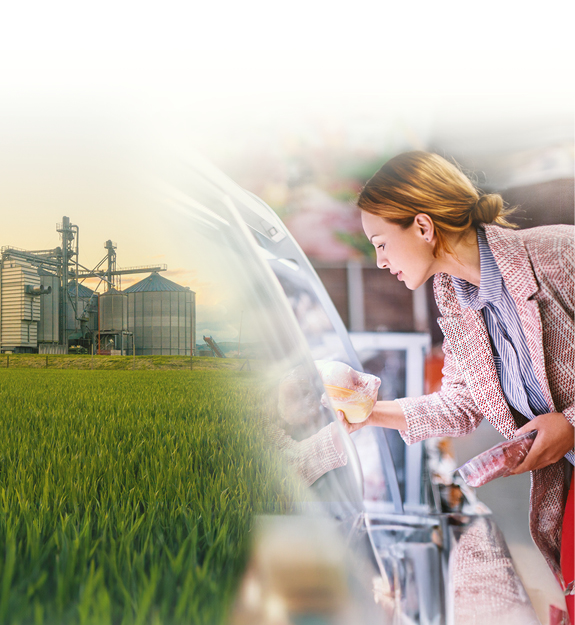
(371, 237)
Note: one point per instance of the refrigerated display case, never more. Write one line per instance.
(430, 567)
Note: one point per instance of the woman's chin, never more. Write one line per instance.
(412, 285)
(408, 283)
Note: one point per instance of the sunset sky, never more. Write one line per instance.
(80, 85)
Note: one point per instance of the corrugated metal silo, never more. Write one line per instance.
(161, 316)
(113, 312)
(19, 308)
(48, 326)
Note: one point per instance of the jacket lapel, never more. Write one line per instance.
(469, 341)
(471, 347)
(515, 266)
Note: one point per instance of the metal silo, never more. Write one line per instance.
(113, 307)
(19, 306)
(113, 312)
(161, 316)
(48, 326)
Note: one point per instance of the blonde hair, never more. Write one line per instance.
(421, 182)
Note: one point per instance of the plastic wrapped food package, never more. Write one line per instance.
(352, 392)
(498, 461)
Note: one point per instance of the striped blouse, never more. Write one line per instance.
(510, 351)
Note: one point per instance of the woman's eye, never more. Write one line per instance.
(381, 246)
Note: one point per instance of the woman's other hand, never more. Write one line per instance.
(555, 437)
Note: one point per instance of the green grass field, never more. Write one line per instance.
(127, 497)
(147, 363)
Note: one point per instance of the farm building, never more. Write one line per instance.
(161, 316)
(46, 308)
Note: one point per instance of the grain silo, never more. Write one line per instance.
(19, 306)
(113, 312)
(48, 326)
(161, 316)
(113, 306)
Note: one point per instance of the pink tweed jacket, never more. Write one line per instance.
(538, 267)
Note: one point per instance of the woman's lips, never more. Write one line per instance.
(399, 275)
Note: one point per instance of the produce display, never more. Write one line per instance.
(498, 461)
(352, 392)
(129, 496)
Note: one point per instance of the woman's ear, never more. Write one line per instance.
(425, 227)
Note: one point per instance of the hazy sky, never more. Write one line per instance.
(116, 180)
(215, 63)
(79, 82)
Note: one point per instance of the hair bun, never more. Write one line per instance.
(488, 208)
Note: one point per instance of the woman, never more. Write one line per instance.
(506, 299)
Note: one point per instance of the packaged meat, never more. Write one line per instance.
(352, 392)
(557, 616)
(498, 461)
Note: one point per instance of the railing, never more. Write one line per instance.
(123, 270)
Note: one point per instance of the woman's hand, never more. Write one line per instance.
(351, 427)
(555, 437)
(386, 414)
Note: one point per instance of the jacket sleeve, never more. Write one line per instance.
(449, 412)
(310, 458)
(553, 259)
(567, 261)
(569, 413)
